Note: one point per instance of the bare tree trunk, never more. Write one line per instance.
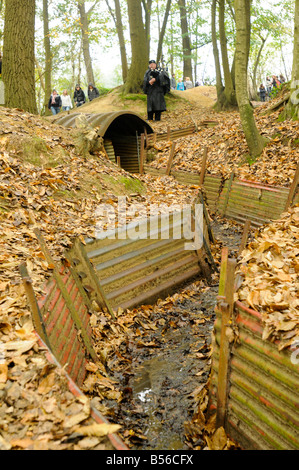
(162, 32)
(292, 108)
(48, 57)
(84, 23)
(18, 70)
(147, 6)
(219, 84)
(257, 61)
(254, 140)
(117, 18)
(229, 90)
(139, 62)
(121, 39)
(187, 54)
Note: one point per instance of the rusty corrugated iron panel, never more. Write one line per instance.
(212, 187)
(254, 201)
(60, 327)
(257, 202)
(263, 402)
(149, 264)
(174, 134)
(73, 387)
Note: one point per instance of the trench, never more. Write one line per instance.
(161, 383)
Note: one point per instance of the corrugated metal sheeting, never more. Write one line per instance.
(60, 326)
(143, 261)
(237, 199)
(263, 405)
(121, 133)
(113, 123)
(256, 202)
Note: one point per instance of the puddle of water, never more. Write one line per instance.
(156, 391)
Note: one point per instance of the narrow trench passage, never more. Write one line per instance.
(164, 386)
(161, 382)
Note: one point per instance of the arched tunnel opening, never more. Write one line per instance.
(121, 133)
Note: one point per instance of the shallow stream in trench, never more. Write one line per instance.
(163, 385)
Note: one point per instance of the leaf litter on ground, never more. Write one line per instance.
(43, 183)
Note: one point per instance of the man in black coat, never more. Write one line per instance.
(154, 88)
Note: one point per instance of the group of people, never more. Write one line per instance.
(64, 102)
(183, 84)
(272, 83)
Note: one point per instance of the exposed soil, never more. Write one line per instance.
(200, 97)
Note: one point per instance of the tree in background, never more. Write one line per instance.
(117, 18)
(187, 51)
(162, 31)
(84, 24)
(254, 140)
(18, 55)
(225, 84)
(139, 48)
(292, 108)
(48, 57)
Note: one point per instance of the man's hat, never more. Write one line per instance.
(152, 62)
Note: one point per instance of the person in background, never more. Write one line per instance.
(269, 85)
(93, 92)
(154, 89)
(180, 85)
(188, 83)
(173, 82)
(55, 102)
(281, 78)
(66, 101)
(262, 92)
(275, 81)
(79, 96)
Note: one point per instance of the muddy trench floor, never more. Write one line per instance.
(160, 381)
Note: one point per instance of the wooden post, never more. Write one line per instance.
(226, 310)
(145, 137)
(244, 236)
(79, 325)
(168, 133)
(204, 255)
(206, 216)
(228, 192)
(141, 168)
(293, 188)
(89, 269)
(203, 166)
(168, 169)
(222, 277)
(36, 314)
(118, 161)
